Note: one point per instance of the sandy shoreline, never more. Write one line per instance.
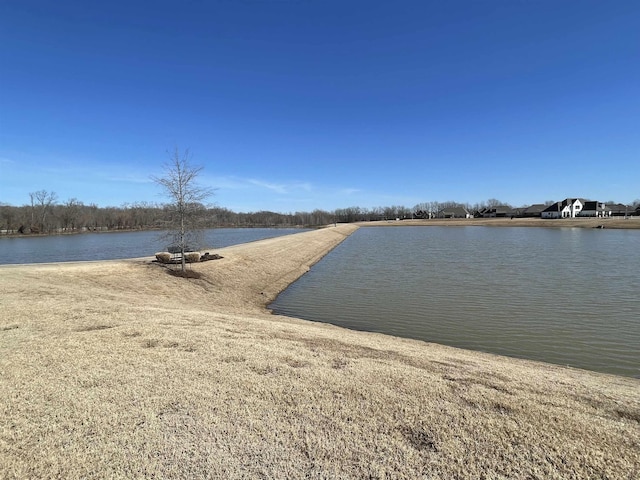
(117, 369)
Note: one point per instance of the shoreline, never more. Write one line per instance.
(117, 369)
(619, 223)
(134, 230)
(631, 223)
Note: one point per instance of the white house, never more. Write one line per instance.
(567, 208)
(595, 209)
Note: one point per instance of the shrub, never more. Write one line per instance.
(192, 257)
(163, 257)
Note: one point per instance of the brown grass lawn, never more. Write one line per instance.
(119, 370)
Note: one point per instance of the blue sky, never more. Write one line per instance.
(297, 105)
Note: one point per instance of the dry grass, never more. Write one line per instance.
(163, 257)
(117, 370)
(192, 257)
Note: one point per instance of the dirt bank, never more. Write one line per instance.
(119, 370)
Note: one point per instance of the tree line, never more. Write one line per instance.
(45, 214)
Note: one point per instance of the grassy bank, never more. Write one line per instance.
(119, 370)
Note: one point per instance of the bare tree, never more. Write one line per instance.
(71, 213)
(434, 208)
(186, 196)
(41, 203)
(9, 214)
(494, 202)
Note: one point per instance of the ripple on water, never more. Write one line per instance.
(565, 296)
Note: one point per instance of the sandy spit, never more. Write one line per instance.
(119, 370)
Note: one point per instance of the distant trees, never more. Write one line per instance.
(185, 207)
(427, 209)
(494, 202)
(434, 209)
(41, 205)
(349, 215)
(9, 215)
(70, 214)
(75, 216)
(396, 211)
(43, 214)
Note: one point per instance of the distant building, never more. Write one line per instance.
(576, 207)
(594, 209)
(454, 212)
(621, 210)
(533, 211)
(567, 208)
(497, 211)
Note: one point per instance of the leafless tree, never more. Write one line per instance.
(494, 202)
(8, 214)
(41, 203)
(186, 196)
(71, 213)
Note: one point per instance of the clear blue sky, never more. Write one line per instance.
(297, 105)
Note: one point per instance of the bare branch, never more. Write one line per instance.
(186, 196)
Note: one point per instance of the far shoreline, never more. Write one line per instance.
(629, 223)
(136, 230)
(618, 223)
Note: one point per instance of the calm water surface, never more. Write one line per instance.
(566, 296)
(111, 246)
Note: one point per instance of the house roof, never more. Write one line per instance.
(570, 201)
(455, 211)
(597, 206)
(502, 209)
(495, 209)
(535, 208)
(620, 207)
(498, 210)
(558, 206)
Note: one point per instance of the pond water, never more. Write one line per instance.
(115, 245)
(565, 296)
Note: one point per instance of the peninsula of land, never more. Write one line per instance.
(116, 369)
